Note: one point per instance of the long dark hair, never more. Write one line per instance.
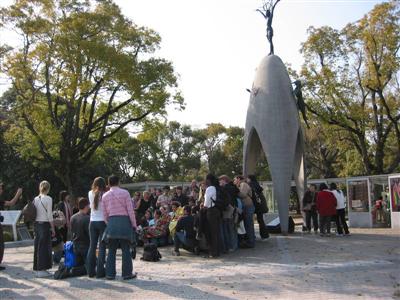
(98, 188)
(62, 195)
(212, 180)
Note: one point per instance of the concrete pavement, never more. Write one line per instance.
(365, 265)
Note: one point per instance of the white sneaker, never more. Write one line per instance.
(339, 234)
(43, 274)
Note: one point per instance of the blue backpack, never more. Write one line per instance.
(70, 258)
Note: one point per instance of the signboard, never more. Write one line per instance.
(394, 185)
(394, 191)
(11, 218)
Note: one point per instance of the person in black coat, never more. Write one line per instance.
(185, 234)
(260, 204)
(229, 215)
(181, 197)
(68, 212)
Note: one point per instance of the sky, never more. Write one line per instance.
(216, 46)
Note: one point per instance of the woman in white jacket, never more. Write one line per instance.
(44, 230)
(340, 211)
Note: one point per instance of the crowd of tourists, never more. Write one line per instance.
(211, 218)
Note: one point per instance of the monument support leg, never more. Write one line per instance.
(282, 194)
(299, 171)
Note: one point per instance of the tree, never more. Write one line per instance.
(322, 153)
(83, 73)
(170, 151)
(232, 149)
(212, 138)
(352, 84)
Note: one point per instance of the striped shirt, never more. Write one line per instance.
(118, 202)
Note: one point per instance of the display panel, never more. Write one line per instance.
(358, 195)
(394, 183)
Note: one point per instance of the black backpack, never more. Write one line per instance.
(150, 253)
(223, 199)
(259, 201)
(62, 272)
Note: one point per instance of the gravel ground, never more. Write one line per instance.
(365, 265)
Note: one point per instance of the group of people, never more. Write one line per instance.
(329, 205)
(215, 217)
(104, 220)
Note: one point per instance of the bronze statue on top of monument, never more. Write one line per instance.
(267, 11)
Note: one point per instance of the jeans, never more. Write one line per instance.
(180, 241)
(42, 252)
(248, 213)
(325, 224)
(311, 214)
(341, 221)
(229, 234)
(126, 258)
(96, 229)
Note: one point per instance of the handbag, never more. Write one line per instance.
(29, 212)
(59, 219)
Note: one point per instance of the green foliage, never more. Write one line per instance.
(83, 73)
(351, 87)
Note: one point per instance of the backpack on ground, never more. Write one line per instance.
(70, 257)
(29, 212)
(275, 226)
(150, 253)
(62, 272)
(223, 200)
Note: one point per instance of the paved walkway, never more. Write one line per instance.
(365, 265)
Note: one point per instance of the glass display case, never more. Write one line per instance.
(359, 203)
(358, 195)
(394, 200)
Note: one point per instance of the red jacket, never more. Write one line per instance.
(326, 203)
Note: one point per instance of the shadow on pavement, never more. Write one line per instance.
(10, 294)
(10, 284)
(183, 291)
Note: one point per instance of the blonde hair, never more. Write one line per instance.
(44, 187)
